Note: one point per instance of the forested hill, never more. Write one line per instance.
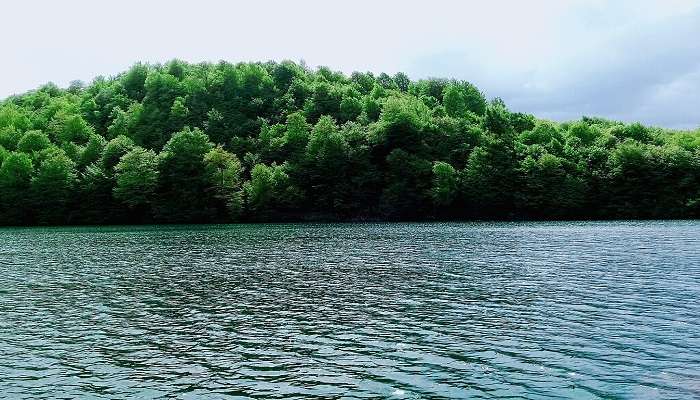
(276, 141)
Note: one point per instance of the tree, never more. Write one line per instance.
(15, 178)
(136, 178)
(325, 172)
(92, 152)
(497, 120)
(325, 100)
(406, 193)
(72, 128)
(363, 81)
(444, 188)
(454, 101)
(285, 73)
(462, 98)
(224, 172)
(134, 80)
(386, 81)
(402, 124)
(270, 193)
(9, 137)
(182, 190)
(350, 108)
(114, 150)
(154, 122)
(490, 178)
(13, 123)
(551, 190)
(546, 134)
(33, 141)
(433, 87)
(124, 122)
(97, 205)
(12, 116)
(587, 134)
(52, 187)
(296, 136)
(402, 81)
(16, 170)
(180, 142)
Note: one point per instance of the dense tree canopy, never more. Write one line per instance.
(268, 141)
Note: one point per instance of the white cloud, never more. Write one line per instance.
(557, 59)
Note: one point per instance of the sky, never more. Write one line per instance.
(560, 59)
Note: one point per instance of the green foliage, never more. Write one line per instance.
(224, 172)
(432, 87)
(296, 135)
(13, 116)
(498, 120)
(70, 128)
(285, 73)
(491, 178)
(15, 177)
(407, 185)
(16, 171)
(9, 137)
(155, 123)
(52, 187)
(182, 190)
(350, 108)
(402, 81)
(325, 100)
(544, 133)
(326, 143)
(92, 151)
(33, 141)
(462, 98)
(445, 183)
(123, 123)
(97, 204)
(270, 192)
(114, 150)
(584, 132)
(179, 142)
(402, 123)
(134, 81)
(136, 177)
(551, 189)
(325, 171)
(364, 81)
(406, 111)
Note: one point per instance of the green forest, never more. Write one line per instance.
(277, 141)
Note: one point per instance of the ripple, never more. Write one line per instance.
(482, 310)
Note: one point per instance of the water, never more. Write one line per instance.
(541, 310)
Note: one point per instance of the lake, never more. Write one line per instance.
(583, 310)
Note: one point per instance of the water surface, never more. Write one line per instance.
(510, 310)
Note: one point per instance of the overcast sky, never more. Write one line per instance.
(628, 60)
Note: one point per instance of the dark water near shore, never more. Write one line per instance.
(529, 310)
